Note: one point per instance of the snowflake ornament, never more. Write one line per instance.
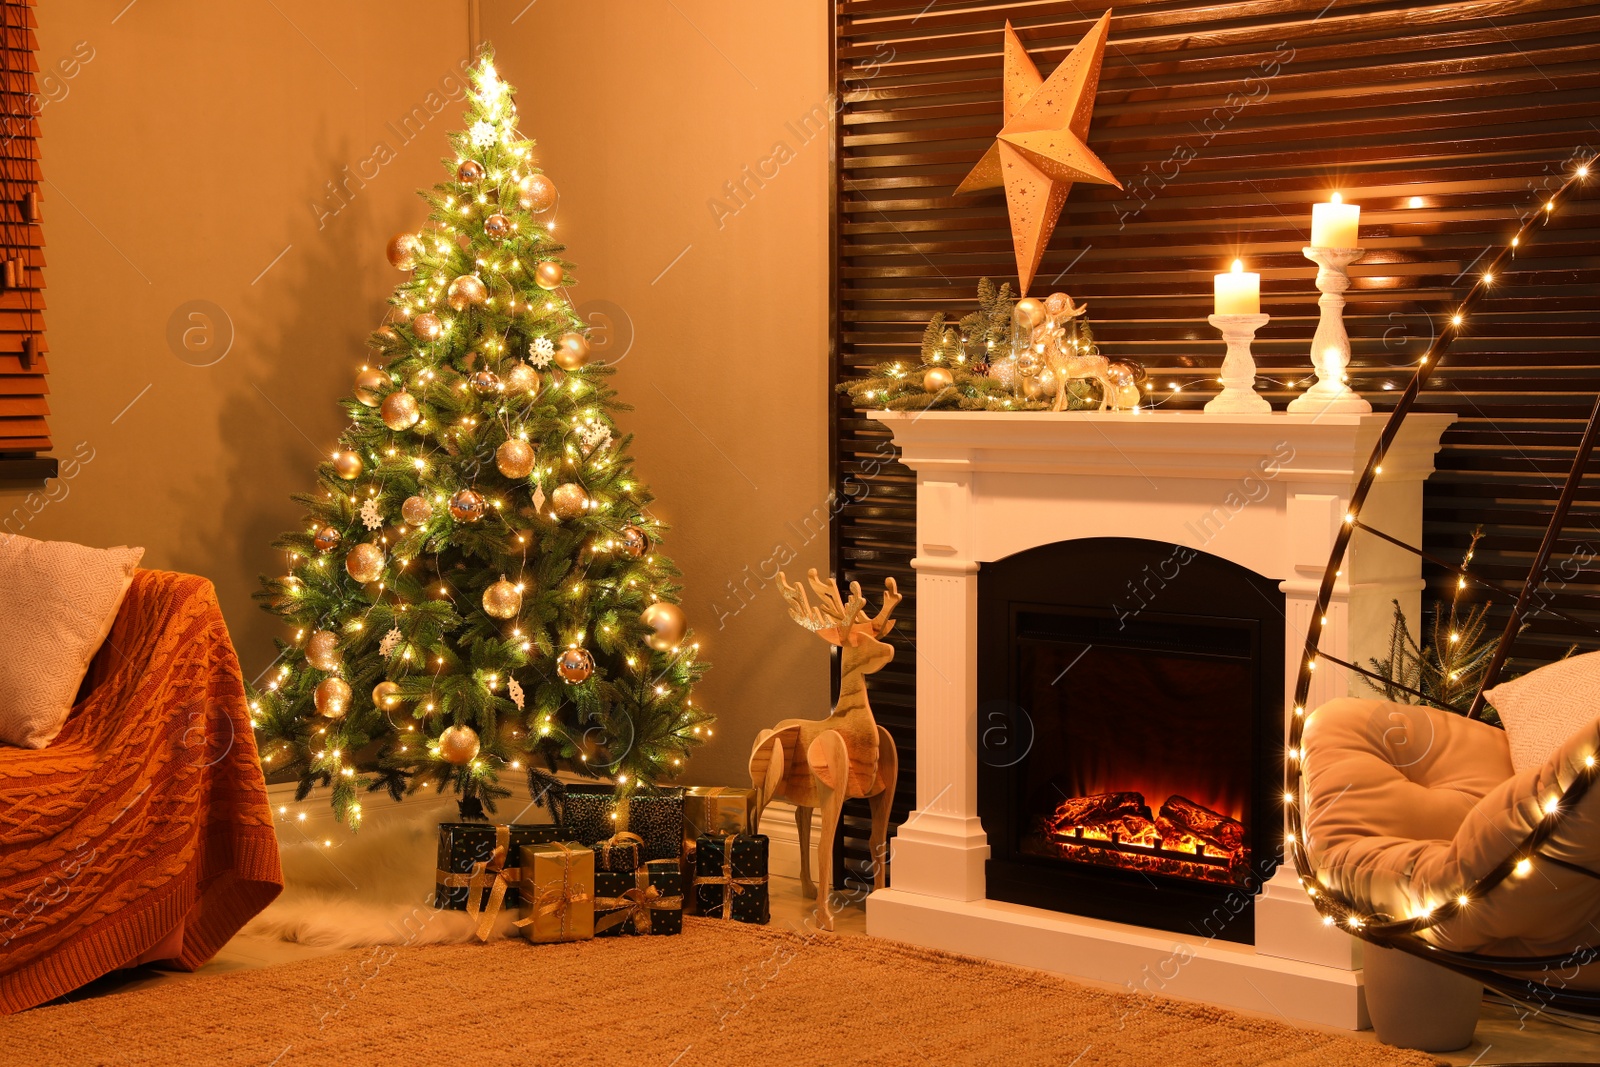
(595, 435)
(540, 352)
(514, 690)
(390, 640)
(483, 134)
(371, 517)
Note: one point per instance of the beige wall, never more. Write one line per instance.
(188, 159)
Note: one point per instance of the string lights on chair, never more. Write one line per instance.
(1523, 857)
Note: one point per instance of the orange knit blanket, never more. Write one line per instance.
(147, 819)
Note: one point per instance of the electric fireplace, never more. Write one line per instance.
(1130, 698)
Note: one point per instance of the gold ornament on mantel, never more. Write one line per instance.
(458, 745)
(668, 622)
(937, 380)
(364, 562)
(502, 600)
(1040, 150)
(514, 458)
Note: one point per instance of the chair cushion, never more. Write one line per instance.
(1408, 806)
(1543, 708)
(57, 603)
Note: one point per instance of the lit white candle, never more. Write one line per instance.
(1334, 224)
(1238, 291)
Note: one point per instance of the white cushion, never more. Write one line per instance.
(57, 603)
(1543, 708)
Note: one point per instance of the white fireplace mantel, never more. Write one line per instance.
(1267, 492)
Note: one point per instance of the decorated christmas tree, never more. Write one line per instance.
(476, 592)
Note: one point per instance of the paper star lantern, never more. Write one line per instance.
(1040, 150)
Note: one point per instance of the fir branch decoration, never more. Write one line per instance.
(1449, 669)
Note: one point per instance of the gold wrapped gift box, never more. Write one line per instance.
(557, 892)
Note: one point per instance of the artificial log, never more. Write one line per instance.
(1099, 808)
(1180, 815)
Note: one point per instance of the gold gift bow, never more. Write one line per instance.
(618, 839)
(480, 878)
(557, 900)
(735, 885)
(635, 904)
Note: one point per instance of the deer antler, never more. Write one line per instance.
(882, 623)
(841, 613)
(800, 609)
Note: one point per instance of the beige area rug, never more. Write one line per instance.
(719, 993)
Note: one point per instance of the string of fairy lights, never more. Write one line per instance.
(585, 458)
(1522, 859)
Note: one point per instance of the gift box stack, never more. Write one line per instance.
(724, 862)
(477, 867)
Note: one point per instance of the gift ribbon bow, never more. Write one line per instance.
(734, 885)
(635, 904)
(491, 874)
(618, 840)
(557, 900)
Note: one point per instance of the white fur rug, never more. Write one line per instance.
(376, 889)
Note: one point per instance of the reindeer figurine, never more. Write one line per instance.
(821, 763)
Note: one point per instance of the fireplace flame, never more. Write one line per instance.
(1118, 829)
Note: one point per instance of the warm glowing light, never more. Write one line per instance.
(1416, 201)
(1523, 866)
(1552, 805)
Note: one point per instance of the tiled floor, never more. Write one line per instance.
(1502, 1038)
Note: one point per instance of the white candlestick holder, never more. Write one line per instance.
(1330, 347)
(1238, 396)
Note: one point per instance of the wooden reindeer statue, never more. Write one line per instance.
(821, 763)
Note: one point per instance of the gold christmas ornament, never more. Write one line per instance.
(1028, 313)
(549, 274)
(937, 380)
(485, 382)
(514, 458)
(574, 665)
(635, 542)
(322, 651)
(347, 465)
(326, 539)
(364, 562)
(386, 338)
(497, 226)
(332, 698)
(1040, 150)
(1059, 306)
(572, 350)
(536, 193)
(370, 385)
(466, 291)
(427, 326)
(521, 378)
(386, 696)
(400, 410)
(458, 745)
(568, 500)
(416, 510)
(668, 622)
(402, 250)
(469, 170)
(501, 600)
(466, 506)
